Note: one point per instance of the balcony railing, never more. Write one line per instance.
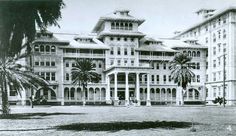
(83, 55)
(151, 57)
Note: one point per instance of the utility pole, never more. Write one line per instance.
(224, 80)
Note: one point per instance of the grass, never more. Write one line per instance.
(116, 126)
(34, 115)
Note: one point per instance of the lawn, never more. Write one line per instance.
(209, 121)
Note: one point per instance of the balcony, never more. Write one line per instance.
(83, 55)
(151, 57)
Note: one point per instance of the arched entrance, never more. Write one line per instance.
(191, 94)
(46, 93)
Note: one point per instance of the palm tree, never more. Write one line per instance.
(181, 73)
(82, 73)
(18, 77)
(19, 20)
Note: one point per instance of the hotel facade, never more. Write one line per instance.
(217, 31)
(133, 66)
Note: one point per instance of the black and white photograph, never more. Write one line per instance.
(117, 67)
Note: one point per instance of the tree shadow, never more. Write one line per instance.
(34, 115)
(116, 126)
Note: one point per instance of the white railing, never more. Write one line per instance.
(148, 57)
(84, 55)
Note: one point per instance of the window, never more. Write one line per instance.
(53, 77)
(111, 38)
(153, 79)
(41, 48)
(47, 48)
(42, 75)
(214, 50)
(67, 76)
(125, 39)
(164, 65)
(53, 49)
(224, 34)
(198, 54)
(118, 39)
(125, 51)
(214, 92)
(193, 78)
(118, 62)
(100, 65)
(132, 62)
(48, 76)
(169, 78)
(214, 63)
(111, 51)
(125, 62)
(206, 78)
(194, 54)
(157, 76)
(118, 51)
(47, 63)
(112, 25)
(73, 64)
(198, 65)
(224, 20)
(214, 38)
(126, 26)
(67, 64)
(36, 63)
(53, 63)
(206, 39)
(130, 26)
(206, 65)
(164, 79)
(198, 78)
(224, 47)
(157, 66)
(219, 47)
(132, 51)
(219, 34)
(111, 62)
(219, 75)
(42, 63)
(219, 61)
(36, 48)
(214, 76)
(219, 21)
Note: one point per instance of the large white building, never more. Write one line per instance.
(217, 31)
(132, 66)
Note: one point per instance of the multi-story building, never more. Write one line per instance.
(132, 66)
(217, 31)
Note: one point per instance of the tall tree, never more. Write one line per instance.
(19, 19)
(82, 73)
(181, 74)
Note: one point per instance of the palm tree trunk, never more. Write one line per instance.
(5, 103)
(84, 102)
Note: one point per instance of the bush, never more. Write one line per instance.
(219, 100)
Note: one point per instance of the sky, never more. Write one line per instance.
(162, 17)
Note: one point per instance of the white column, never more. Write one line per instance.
(187, 94)
(137, 89)
(171, 97)
(115, 89)
(94, 95)
(126, 88)
(148, 103)
(100, 94)
(108, 95)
